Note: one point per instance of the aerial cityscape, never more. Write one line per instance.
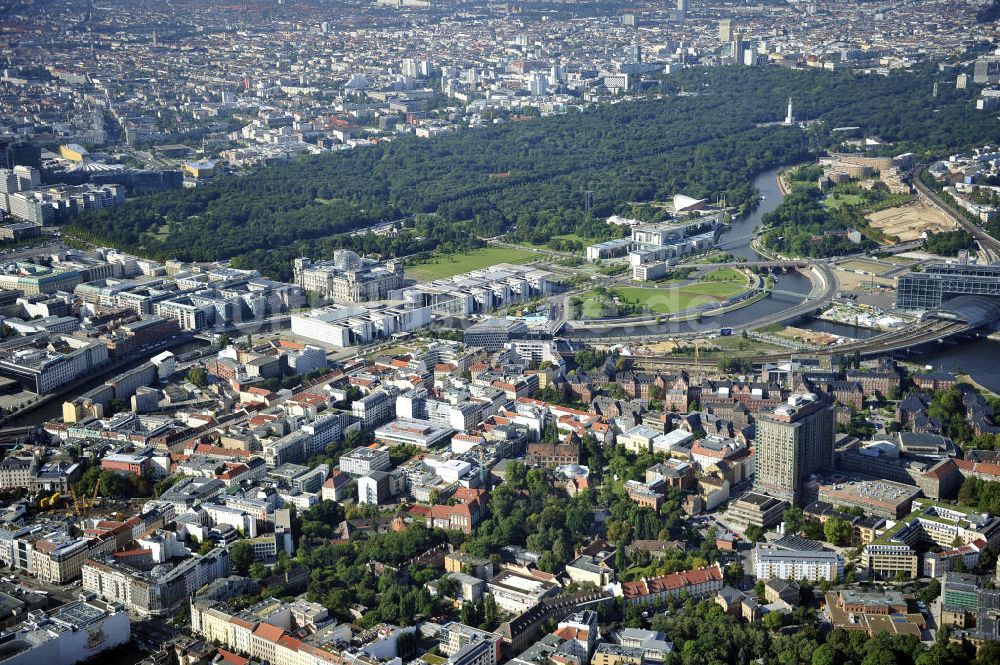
(537, 332)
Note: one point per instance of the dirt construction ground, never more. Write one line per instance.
(909, 221)
(852, 281)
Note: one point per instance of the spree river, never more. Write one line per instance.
(741, 231)
(976, 358)
(793, 286)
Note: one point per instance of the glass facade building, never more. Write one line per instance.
(937, 283)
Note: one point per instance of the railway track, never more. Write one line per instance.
(988, 243)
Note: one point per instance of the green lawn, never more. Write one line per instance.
(726, 275)
(593, 305)
(637, 572)
(679, 298)
(454, 264)
(838, 200)
(669, 298)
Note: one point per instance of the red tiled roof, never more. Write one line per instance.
(267, 632)
(205, 449)
(671, 582)
(982, 468)
(571, 633)
(232, 658)
(290, 642)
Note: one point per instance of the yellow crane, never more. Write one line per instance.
(80, 505)
(76, 501)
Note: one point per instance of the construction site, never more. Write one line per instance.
(75, 505)
(909, 222)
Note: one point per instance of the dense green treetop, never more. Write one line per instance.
(706, 142)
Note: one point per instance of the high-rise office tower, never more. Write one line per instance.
(736, 48)
(28, 177)
(19, 153)
(9, 182)
(409, 67)
(556, 75)
(538, 85)
(634, 54)
(792, 442)
(725, 31)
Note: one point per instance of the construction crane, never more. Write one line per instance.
(77, 510)
(87, 502)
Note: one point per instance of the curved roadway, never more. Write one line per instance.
(820, 274)
(880, 344)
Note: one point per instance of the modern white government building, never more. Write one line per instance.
(652, 247)
(350, 325)
(413, 307)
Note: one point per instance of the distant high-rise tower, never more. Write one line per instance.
(736, 48)
(789, 118)
(683, 5)
(634, 54)
(537, 86)
(792, 443)
(154, 39)
(725, 31)
(556, 75)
